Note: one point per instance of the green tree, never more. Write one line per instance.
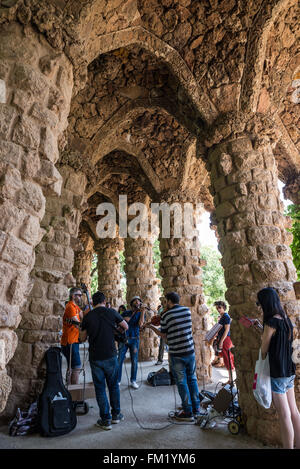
(157, 260)
(293, 211)
(214, 287)
(94, 274)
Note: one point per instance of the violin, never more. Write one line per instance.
(155, 320)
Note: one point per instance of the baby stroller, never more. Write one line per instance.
(223, 406)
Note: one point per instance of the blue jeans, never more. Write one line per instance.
(282, 385)
(133, 346)
(75, 358)
(184, 372)
(106, 371)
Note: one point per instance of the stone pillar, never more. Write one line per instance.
(83, 261)
(141, 281)
(36, 87)
(181, 272)
(256, 254)
(42, 314)
(109, 274)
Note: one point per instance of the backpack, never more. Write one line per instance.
(56, 412)
(159, 378)
(24, 422)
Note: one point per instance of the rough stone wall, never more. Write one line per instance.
(36, 88)
(83, 261)
(43, 311)
(181, 272)
(174, 67)
(255, 253)
(109, 275)
(141, 281)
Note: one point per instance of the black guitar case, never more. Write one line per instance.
(56, 413)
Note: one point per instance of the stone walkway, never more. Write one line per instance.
(146, 425)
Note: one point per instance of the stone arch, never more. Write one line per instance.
(109, 144)
(140, 36)
(126, 113)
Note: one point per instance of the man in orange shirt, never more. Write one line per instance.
(70, 334)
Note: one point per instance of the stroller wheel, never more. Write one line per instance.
(82, 407)
(234, 427)
(240, 419)
(86, 408)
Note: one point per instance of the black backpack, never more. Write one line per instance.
(160, 378)
(56, 413)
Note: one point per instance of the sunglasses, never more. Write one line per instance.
(78, 294)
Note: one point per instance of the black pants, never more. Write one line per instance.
(161, 350)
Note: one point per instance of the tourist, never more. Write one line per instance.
(135, 320)
(162, 342)
(223, 340)
(99, 326)
(121, 309)
(176, 329)
(277, 341)
(70, 335)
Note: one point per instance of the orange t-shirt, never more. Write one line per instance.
(70, 333)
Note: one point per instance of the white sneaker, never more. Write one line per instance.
(134, 385)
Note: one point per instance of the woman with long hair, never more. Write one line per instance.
(277, 341)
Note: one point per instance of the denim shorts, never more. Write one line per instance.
(282, 385)
(75, 358)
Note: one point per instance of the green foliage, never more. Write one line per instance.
(214, 287)
(213, 275)
(94, 274)
(157, 259)
(293, 211)
(123, 280)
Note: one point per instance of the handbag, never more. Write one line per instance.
(262, 382)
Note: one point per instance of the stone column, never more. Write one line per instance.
(83, 262)
(36, 87)
(181, 272)
(141, 281)
(42, 314)
(109, 274)
(255, 248)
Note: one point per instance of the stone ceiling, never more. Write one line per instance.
(151, 75)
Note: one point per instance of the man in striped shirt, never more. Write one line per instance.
(176, 329)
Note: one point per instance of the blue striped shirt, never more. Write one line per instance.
(176, 323)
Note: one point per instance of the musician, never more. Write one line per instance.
(70, 334)
(99, 326)
(176, 328)
(135, 319)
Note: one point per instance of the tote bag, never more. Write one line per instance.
(262, 382)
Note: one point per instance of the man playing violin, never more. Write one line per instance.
(176, 329)
(135, 319)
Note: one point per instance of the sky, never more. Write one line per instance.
(207, 236)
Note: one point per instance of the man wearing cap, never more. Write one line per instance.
(135, 319)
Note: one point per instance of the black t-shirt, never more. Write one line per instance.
(225, 319)
(99, 324)
(280, 349)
